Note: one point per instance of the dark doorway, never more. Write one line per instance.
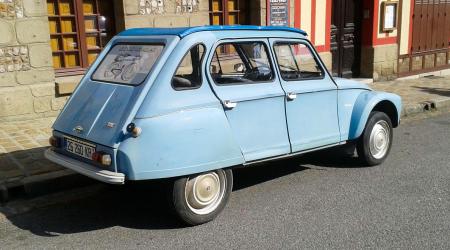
(345, 37)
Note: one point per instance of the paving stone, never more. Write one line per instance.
(21, 149)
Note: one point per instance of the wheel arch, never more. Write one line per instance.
(389, 109)
(373, 101)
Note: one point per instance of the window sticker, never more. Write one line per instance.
(128, 64)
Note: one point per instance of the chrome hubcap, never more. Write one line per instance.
(205, 192)
(379, 139)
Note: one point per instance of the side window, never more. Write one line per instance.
(241, 63)
(188, 74)
(296, 62)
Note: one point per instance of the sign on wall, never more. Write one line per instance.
(389, 16)
(278, 12)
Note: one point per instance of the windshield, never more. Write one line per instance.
(128, 63)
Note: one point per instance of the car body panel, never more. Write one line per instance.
(179, 143)
(312, 116)
(189, 131)
(258, 121)
(364, 104)
(343, 83)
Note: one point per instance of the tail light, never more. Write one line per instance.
(135, 131)
(55, 141)
(102, 158)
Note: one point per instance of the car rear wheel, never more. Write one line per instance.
(199, 198)
(375, 142)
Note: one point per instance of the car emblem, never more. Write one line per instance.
(110, 124)
(78, 129)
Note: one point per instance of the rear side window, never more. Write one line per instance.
(128, 63)
(241, 63)
(296, 62)
(189, 74)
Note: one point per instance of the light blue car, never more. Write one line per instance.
(189, 104)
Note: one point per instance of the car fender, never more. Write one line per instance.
(364, 104)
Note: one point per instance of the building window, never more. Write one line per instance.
(227, 12)
(79, 29)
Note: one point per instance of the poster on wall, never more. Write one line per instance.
(278, 12)
(389, 16)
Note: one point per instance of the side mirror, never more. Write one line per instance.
(214, 69)
(239, 67)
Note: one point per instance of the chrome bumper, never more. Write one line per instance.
(85, 169)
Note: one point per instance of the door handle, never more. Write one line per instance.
(291, 96)
(229, 104)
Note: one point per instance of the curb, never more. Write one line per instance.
(41, 185)
(426, 106)
(24, 183)
(15, 208)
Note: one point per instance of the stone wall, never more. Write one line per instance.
(165, 13)
(379, 62)
(26, 73)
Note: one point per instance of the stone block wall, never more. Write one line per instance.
(26, 73)
(164, 13)
(379, 62)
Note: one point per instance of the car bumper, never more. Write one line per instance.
(85, 169)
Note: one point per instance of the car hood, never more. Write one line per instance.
(350, 84)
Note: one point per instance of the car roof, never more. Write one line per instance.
(185, 31)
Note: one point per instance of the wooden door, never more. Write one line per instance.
(430, 45)
(345, 38)
(431, 21)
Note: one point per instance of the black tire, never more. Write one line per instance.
(186, 212)
(363, 145)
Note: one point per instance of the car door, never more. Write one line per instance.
(311, 99)
(242, 76)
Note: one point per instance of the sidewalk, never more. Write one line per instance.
(22, 143)
(419, 94)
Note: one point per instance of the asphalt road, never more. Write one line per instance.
(315, 201)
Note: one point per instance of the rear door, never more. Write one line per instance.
(106, 98)
(242, 76)
(311, 96)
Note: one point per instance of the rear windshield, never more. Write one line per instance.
(128, 63)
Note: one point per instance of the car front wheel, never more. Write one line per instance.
(199, 198)
(375, 142)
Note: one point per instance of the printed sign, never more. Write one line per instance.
(389, 16)
(128, 63)
(278, 13)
